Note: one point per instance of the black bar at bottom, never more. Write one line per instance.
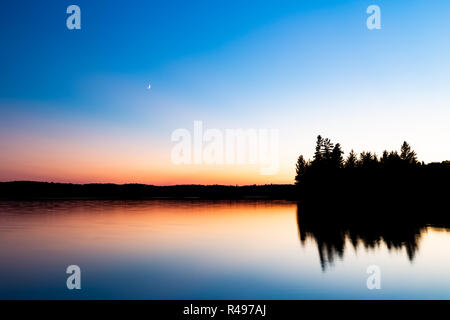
(207, 309)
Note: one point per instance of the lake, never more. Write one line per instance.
(168, 249)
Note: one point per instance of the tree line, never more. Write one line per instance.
(329, 156)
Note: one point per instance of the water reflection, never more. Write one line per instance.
(216, 250)
(333, 226)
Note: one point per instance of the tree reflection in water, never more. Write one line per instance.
(332, 225)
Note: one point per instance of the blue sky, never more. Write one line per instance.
(304, 67)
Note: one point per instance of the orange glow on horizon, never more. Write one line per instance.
(73, 161)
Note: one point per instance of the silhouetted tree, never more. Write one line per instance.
(384, 160)
(326, 154)
(351, 160)
(368, 160)
(318, 153)
(300, 169)
(327, 149)
(394, 160)
(408, 155)
(336, 156)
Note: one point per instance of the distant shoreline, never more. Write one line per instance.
(33, 190)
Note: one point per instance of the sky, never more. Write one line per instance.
(75, 104)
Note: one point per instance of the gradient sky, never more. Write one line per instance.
(74, 104)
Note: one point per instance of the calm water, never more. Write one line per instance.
(205, 250)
